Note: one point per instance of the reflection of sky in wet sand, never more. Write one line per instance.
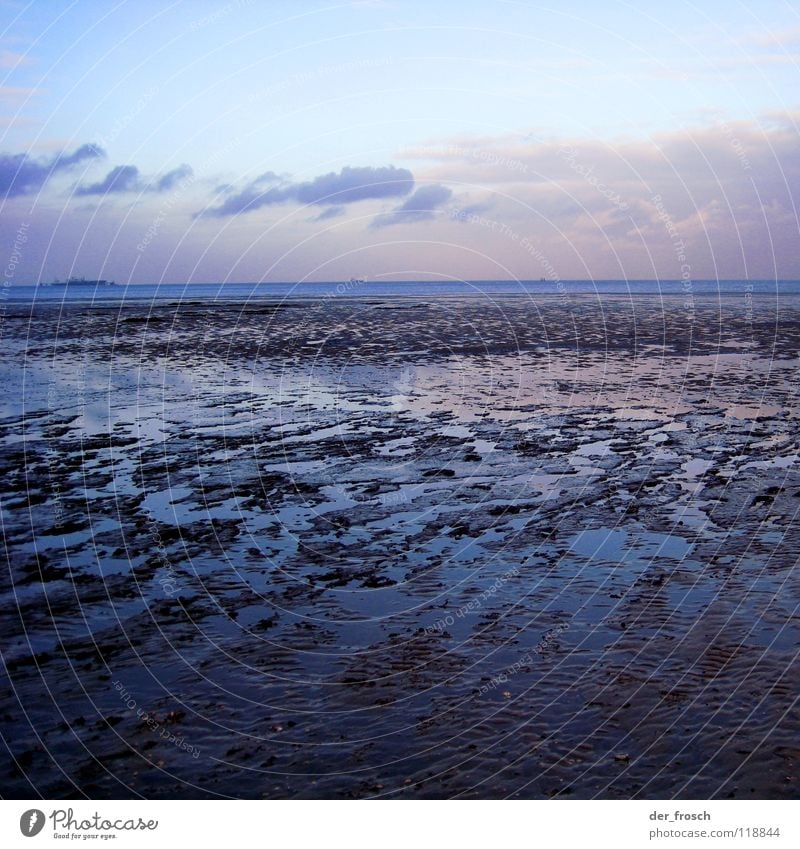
(334, 513)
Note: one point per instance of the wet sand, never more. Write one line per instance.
(402, 547)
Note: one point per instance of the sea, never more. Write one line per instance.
(242, 292)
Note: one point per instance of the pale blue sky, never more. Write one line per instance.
(235, 88)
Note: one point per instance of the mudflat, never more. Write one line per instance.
(402, 547)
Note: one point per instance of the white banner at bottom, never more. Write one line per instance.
(400, 825)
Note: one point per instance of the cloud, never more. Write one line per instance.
(475, 208)
(724, 195)
(419, 207)
(755, 59)
(12, 94)
(11, 59)
(329, 212)
(787, 37)
(172, 178)
(21, 174)
(354, 184)
(123, 178)
(126, 178)
(348, 186)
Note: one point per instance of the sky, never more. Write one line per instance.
(238, 140)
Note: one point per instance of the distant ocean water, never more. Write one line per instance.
(423, 288)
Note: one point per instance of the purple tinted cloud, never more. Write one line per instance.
(329, 212)
(251, 197)
(719, 200)
(21, 174)
(123, 178)
(126, 178)
(354, 184)
(172, 178)
(419, 207)
(348, 186)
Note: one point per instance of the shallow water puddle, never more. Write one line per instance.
(614, 544)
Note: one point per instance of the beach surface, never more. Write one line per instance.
(408, 547)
